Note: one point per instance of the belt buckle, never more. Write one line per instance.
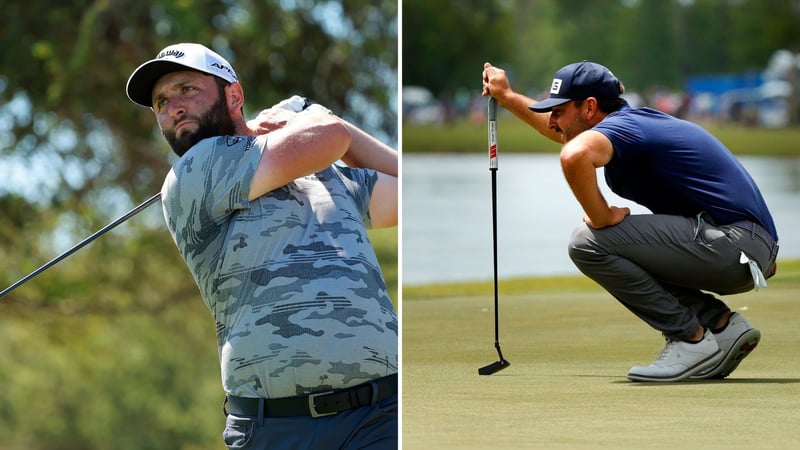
(312, 408)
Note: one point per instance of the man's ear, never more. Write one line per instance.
(590, 105)
(234, 96)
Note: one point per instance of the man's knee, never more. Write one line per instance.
(582, 248)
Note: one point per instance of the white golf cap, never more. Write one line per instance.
(172, 59)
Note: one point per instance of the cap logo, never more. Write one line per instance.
(225, 68)
(174, 53)
(556, 87)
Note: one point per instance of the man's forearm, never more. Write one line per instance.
(518, 104)
(367, 152)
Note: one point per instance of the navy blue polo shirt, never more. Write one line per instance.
(675, 167)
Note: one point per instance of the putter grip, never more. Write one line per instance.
(492, 114)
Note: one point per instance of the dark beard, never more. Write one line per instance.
(215, 122)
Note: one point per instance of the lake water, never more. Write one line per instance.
(447, 214)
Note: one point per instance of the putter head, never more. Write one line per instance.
(494, 367)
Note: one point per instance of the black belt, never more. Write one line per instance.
(314, 405)
(756, 230)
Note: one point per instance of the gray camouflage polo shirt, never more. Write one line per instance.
(290, 278)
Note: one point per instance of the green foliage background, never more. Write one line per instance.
(648, 43)
(113, 348)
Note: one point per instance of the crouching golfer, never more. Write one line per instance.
(710, 230)
(274, 234)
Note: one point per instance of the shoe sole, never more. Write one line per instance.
(742, 347)
(699, 367)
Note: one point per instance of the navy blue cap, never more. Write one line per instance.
(578, 81)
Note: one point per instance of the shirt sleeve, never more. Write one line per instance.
(360, 183)
(625, 135)
(210, 182)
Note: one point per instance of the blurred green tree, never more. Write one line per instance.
(648, 43)
(72, 142)
(446, 42)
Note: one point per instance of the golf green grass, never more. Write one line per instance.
(570, 346)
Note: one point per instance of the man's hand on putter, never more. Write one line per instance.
(495, 82)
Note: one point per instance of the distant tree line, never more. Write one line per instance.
(647, 43)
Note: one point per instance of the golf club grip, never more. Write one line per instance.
(492, 115)
(82, 243)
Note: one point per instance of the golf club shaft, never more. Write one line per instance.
(492, 115)
(82, 243)
(494, 246)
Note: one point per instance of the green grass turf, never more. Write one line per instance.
(570, 347)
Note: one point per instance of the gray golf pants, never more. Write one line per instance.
(660, 266)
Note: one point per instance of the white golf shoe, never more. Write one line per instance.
(736, 341)
(680, 360)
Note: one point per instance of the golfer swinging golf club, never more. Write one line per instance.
(709, 232)
(274, 234)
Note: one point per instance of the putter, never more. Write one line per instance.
(82, 244)
(502, 363)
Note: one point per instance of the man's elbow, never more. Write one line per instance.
(337, 137)
(570, 159)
